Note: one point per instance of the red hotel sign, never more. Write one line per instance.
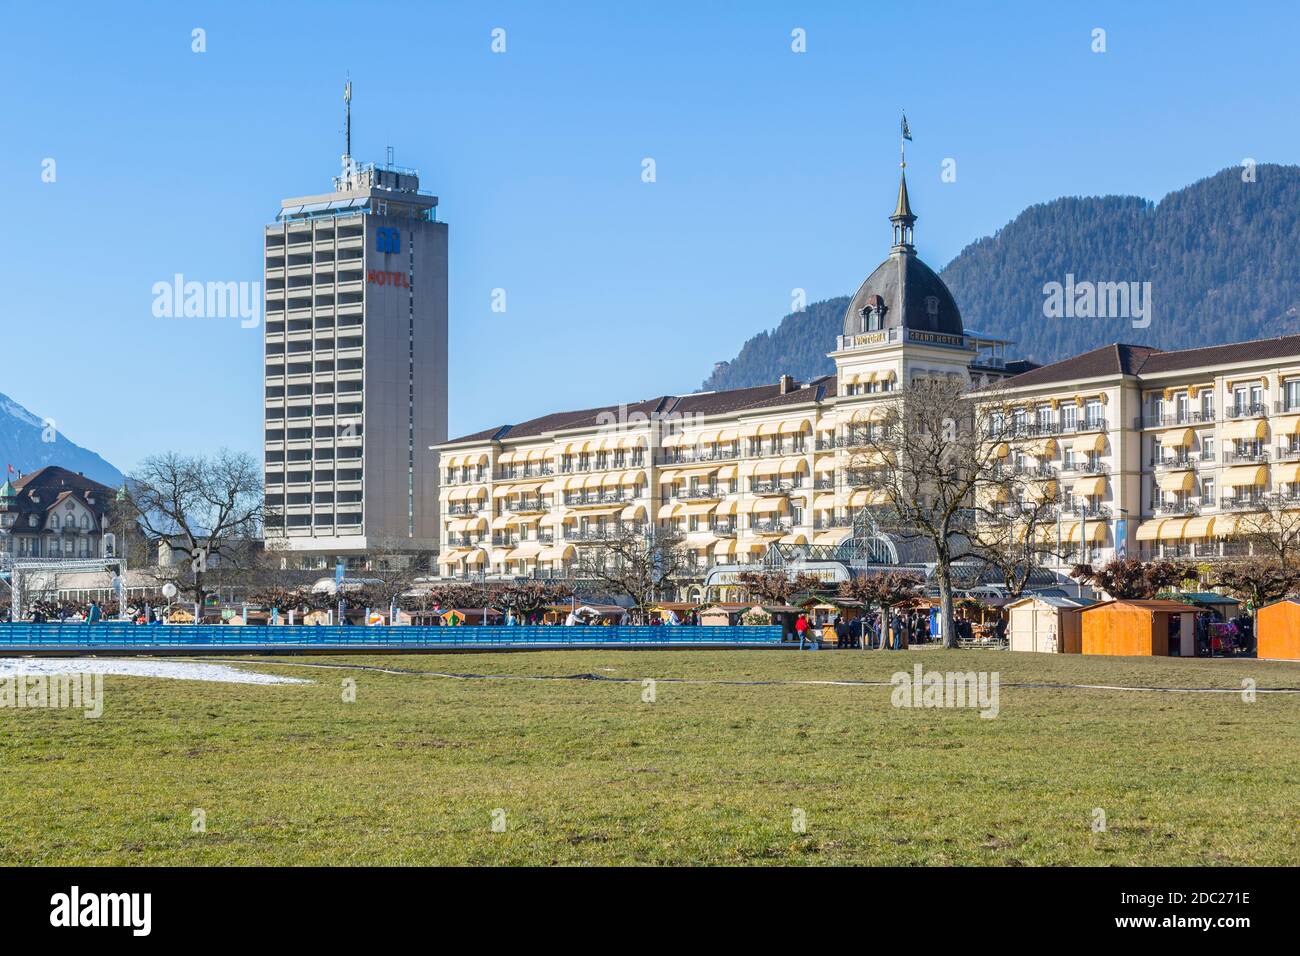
(379, 277)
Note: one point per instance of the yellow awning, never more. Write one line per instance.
(698, 508)
(1071, 532)
(866, 496)
(824, 465)
(793, 466)
(1200, 527)
(767, 468)
(830, 538)
(1243, 476)
(1090, 486)
(1150, 530)
(526, 549)
(728, 508)
(1288, 472)
(1287, 425)
(1172, 529)
(554, 520)
(1095, 442)
(1249, 430)
(769, 505)
(1178, 438)
(670, 510)
(725, 547)
(794, 538)
(1226, 525)
(453, 556)
(1176, 481)
(669, 476)
(794, 427)
(500, 522)
(1041, 448)
(727, 473)
(823, 502)
(559, 552)
(700, 472)
(727, 435)
(633, 513)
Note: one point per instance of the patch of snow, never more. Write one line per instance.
(171, 670)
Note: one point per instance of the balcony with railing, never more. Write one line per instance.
(524, 471)
(1175, 463)
(677, 456)
(1177, 508)
(1188, 417)
(1248, 456)
(761, 486)
(578, 499)
(702, 493)
(1246, 410)
(1253, 502)
(832, 522)
(1098, 512)
(1288, 452)
(771, 526)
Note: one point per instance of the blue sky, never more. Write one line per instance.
(775, 171)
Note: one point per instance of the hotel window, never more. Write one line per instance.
(1291, 395)
(1207, 490)
(1044, 418)
(1067, 458)
(1069, 417)
(1257, 396)
(1184, 406)
(1092, 413)
(1207, 448)
(1207, 406)
(1239, 401)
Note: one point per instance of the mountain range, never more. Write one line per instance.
(23, 447)
(1219, 256)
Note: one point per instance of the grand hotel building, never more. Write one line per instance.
(1145, 451)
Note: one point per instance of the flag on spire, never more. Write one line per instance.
(903, 128)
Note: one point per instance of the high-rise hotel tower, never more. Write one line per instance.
(355, 365)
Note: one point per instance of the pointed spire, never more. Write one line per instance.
(904, 208)
(903, 218)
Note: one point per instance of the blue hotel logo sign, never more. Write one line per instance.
(388, 240)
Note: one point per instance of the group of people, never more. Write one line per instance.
(867, 631)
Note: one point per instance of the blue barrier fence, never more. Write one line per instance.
(117, 634)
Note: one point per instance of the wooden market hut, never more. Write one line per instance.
(724, 613)
(1046, 623)
(1278, 630)
(1133, 628)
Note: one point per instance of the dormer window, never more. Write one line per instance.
(932, 306)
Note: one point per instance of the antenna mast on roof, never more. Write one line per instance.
(347, 126)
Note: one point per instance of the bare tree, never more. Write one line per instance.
(1123, 578)
(209, 509)
(885, 591)
(1257, 581)
(526, 598)
(634, 564)
(1273, 527)
(1015, 539)
(777, 587)
(937, 463)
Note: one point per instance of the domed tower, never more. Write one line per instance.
(902, 321)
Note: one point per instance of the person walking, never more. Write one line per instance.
(801, 629)
(93, 616)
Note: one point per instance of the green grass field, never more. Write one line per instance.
(586, 772)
